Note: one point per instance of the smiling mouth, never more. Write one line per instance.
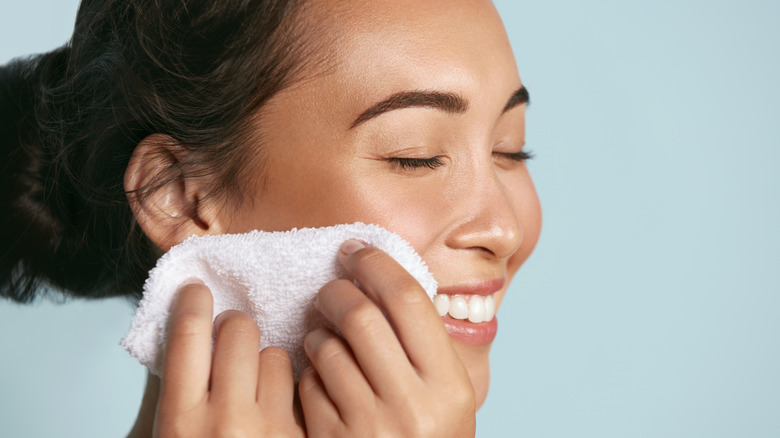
(474, 303)
(472, 308)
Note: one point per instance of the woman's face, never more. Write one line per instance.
(332, 155)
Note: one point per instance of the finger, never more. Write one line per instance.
(369, 335)
(275, 384)
(338, 370)
(413, 315)
(320, 414)
(187, 356)
(234, 369)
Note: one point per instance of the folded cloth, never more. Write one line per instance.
(272, 276)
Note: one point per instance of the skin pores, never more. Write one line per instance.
(474, 217)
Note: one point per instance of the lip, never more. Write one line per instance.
(484, 288)
(481, 333)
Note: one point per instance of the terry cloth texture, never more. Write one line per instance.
(272, 276)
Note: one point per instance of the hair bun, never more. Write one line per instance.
(71, 119)
(31, 234)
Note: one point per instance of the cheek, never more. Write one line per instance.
(527, 207)
(334, 193)
(410, 210)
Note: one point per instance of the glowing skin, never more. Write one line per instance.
(442, 172)
(474, 218)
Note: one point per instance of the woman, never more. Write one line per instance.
(165, 119)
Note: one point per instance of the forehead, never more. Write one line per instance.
(403, 43)
(365, 51)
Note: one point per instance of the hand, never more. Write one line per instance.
(238, 392)
(397, 375)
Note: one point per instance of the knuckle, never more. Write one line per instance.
(462, 399)
(230, 430)
(275, 433)
(363, 316)
(422, 424)
(411, 295)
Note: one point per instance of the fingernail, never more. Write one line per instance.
(187, 283)
(313, 339)
(191, 281)
(351, 246)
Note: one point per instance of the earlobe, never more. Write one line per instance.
(165, 201)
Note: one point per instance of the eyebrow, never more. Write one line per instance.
(518, 98)
(444, 101)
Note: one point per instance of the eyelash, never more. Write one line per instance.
(416, 163)
(519, 156)
(434, 162)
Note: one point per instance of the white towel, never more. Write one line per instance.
(272, 276)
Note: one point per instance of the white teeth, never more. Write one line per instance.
(459, 308)
(475, 308)
(490, 308)
(442, 303)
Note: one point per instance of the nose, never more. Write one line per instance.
(491, 221)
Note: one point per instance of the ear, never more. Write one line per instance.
(174, 210)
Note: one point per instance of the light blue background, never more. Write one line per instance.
(651, 307)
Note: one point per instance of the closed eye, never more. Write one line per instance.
(517, 156)
(416, 163)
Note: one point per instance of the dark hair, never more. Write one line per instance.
(70, 119)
